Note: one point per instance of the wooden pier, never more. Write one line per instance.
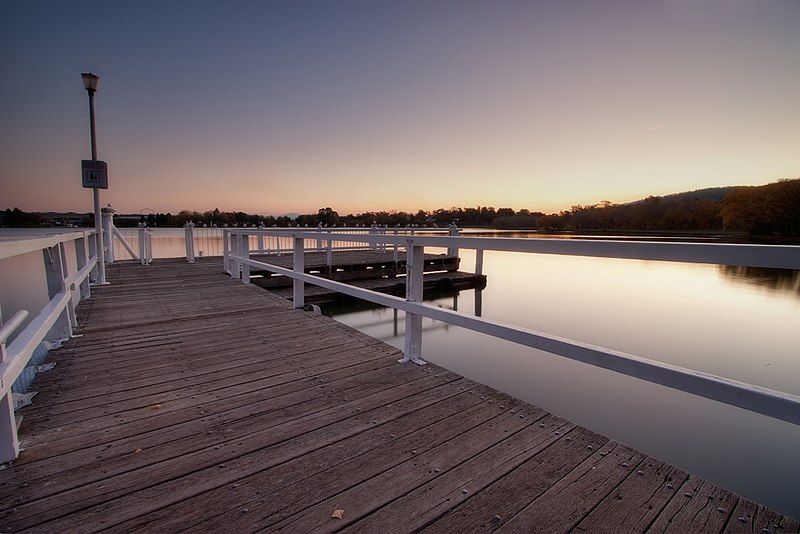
(193, 402)
(351, 265)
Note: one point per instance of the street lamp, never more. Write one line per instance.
(90, 83)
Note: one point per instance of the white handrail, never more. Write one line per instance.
(775, 404)
(12, 324)
(54, 321)
(744, 255)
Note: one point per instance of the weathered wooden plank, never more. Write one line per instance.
(413, 431)
(433, 499)
(488, 509)
(562, 506)
(698, 506)
(635, 503)
(225, 460)
(748, 517)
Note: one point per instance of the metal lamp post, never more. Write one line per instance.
(90, 82)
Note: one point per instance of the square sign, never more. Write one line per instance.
(95, 174)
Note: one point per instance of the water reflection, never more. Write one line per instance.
(783, 281)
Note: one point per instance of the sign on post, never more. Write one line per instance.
(95, 174)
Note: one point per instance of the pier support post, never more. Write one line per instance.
(415, 262)
(244, 252)
(298, 265)
(479, 261)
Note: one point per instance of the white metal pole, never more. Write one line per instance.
(298, 267)
(415, 260)
(98, 224)
(244, 252)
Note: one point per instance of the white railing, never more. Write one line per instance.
(279, 241)
(764, 401)
(64, 283)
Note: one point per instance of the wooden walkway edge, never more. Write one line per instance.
(194, 403)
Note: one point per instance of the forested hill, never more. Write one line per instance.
(709, 193)
(766, 209)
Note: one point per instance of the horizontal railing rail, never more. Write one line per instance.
(774, 404)
(54, 322)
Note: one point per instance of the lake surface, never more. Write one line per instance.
(733, 322)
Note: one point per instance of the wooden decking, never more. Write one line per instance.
(192, 402)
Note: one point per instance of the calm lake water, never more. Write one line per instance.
(733, 322)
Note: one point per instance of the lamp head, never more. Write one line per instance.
(90, 82)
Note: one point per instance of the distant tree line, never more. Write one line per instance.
(16, 218)
(767, 209)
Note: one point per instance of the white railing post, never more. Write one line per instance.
(260, 243)
(453, 230)
(108, 233)
(55, 275)
(149, 248)
(329, 253)
(70, 310)
(319, 239)
(142, 246)
(298, 265)
(93, 251)
(372, 231)
(226, 238)
(82, 246)
(9, 442)
(394, 251)
(479, 261)
(244, 252)
(189, 239)
(236, 265)
(415, 261)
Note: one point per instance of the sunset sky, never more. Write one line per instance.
(276, 107)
